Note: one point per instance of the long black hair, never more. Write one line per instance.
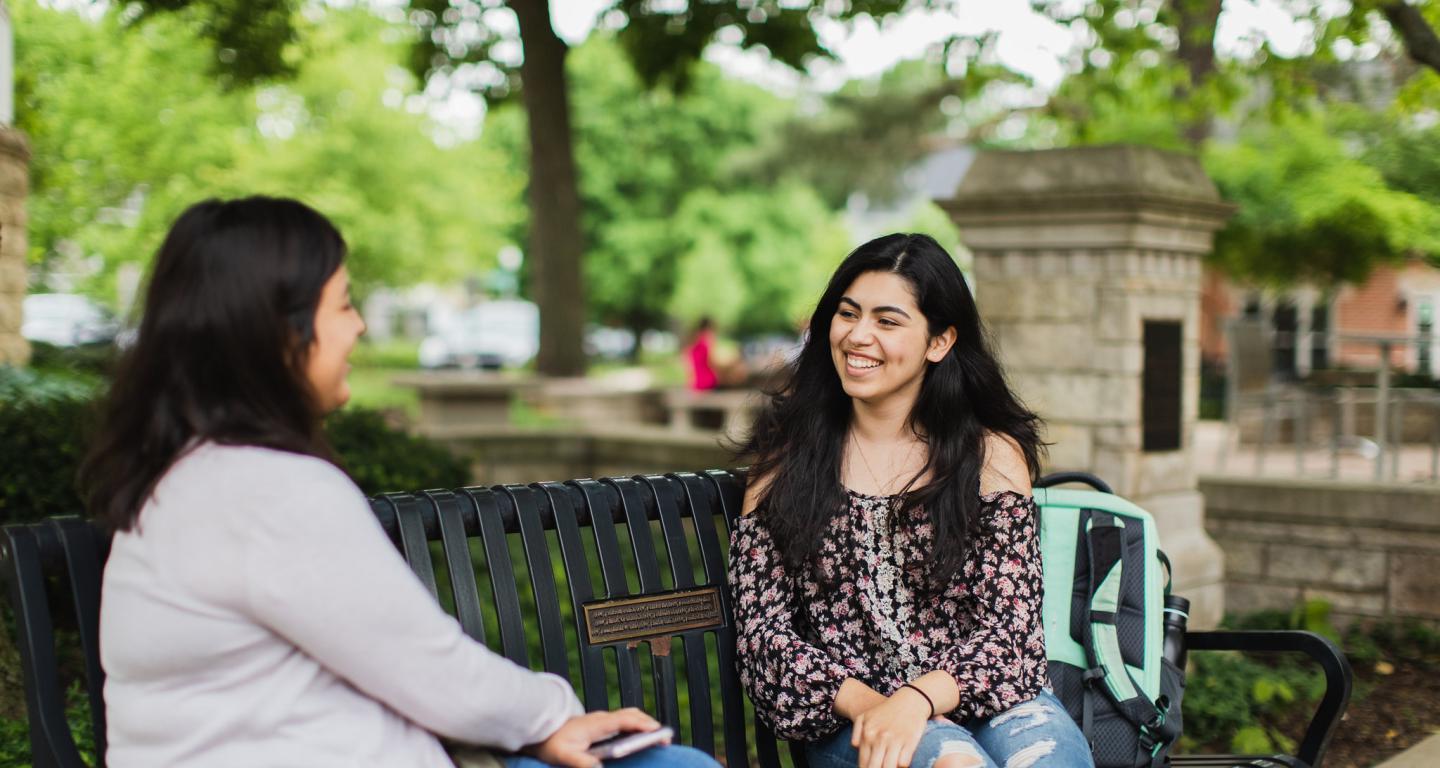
(797, 441)
(220, 353)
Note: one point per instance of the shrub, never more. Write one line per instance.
(96, 360)
(27, 385)
(46, 420)
(1235, 703)
(1238, 703)
(381, 457)
(15, 732)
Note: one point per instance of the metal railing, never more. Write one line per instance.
(1299, 403)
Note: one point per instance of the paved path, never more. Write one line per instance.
(1216, 454)
(1426, 754)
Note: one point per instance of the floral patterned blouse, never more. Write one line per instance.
(798, 641)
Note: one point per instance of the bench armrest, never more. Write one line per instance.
(1338, 677)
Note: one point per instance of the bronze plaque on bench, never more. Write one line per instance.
(659, 615)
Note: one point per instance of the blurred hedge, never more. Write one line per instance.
(45, 422)
(46, 419)
(381, 457)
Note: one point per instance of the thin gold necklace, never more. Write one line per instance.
(884, 487)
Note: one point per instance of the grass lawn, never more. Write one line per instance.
(371, 388)
(376, 364)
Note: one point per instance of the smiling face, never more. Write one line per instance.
(337, 327)
(881, 343)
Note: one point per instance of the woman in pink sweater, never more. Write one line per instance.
(253, 611)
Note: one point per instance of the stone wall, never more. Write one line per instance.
(1075, 252)
(1370, 550)
(520, 455)
(14, 185)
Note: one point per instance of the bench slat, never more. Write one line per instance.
(697, 672)
(577, 575)
(83, 564)
(690, 489)
(413, 542)
(502, 575)
(698, 492)
(542, 578)
(458, 562)
(607, 547)
(677, 550)
(607, 544)
(44, 699)
(647, 565)
(729, 496)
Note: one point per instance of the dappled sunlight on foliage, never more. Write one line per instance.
(114, 162)
(1311, 209)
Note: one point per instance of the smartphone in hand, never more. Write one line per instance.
(625, 744)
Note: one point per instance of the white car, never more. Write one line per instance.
(66, 320)
(491, 335)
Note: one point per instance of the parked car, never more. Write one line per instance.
(609, 343)
(489, 335)
(66, 320)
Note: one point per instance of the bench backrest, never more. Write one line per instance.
(568, 577)
(545, 574)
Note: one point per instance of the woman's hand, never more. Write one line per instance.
(568, 744)
(887, 733)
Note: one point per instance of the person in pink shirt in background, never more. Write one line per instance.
(697, 355)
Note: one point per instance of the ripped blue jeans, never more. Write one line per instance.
(1036, 734)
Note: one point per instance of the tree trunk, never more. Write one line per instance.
(1421, 41)
(637, 327)
(1196, 29)
(555, 239)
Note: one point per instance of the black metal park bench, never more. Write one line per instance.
(618, 584)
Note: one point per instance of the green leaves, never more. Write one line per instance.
(382, 458)
(116, 158)
(672, 230)
(755, 260)
(251, 40)
(1310, 209)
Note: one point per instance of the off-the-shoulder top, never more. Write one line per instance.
(800, 635)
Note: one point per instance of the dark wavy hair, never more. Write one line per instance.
(220, 353)
(797, 440)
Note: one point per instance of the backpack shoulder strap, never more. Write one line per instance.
(1105, 542)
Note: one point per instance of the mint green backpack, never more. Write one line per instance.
(1105, 587)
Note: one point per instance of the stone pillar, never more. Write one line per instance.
(14, 184)
(1085, 259)
(7, 68)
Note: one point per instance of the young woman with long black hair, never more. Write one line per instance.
(886, 571)
(253, 612)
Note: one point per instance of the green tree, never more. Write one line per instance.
(1310, 209)
(1312, 206)
(114, 165)
(755, 260)
(347, 134)
(644, 151)
(1406, 154)
(658, 166)
(884, 125)
(1141, 53)
(663, 40)
(125, 127)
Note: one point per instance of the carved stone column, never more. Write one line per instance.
(1087, 270)
(14, 185)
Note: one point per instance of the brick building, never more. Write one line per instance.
(1314, 329)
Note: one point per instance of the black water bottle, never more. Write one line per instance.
(1177, 614)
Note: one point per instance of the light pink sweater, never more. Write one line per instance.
(259, 616)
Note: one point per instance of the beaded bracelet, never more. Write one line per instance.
(923, 695)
